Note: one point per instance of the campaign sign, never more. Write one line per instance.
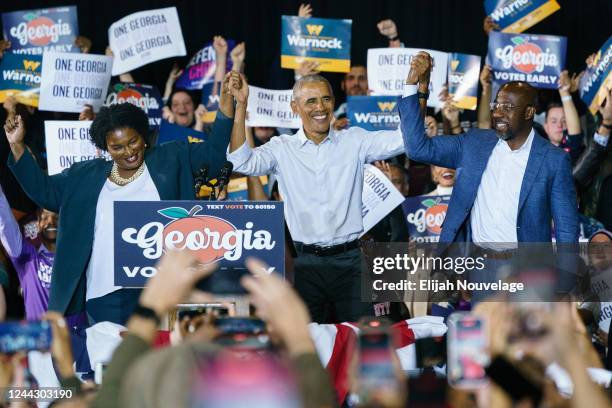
(373, 112)
(597, 79)
(67, 143)
(221, 232)
(388, 69)
(144, 37)
(70, 81)
(146, 97)
(41, 30)
(169, 132)
(20, 78)
(536, 59)
(463, 78)
(424, 216)
(378, 198)
(202, 66)
(516, 16)
(325, 40)
(269, 107)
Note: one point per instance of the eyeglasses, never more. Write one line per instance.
(505, 107)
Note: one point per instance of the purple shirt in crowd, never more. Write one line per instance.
(33, 266)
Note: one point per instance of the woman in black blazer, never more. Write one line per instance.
(83, 194)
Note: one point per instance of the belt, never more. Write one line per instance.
(492, 254)
(326, 250)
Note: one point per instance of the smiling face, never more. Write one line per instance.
(356, 81)
(47, 225)
(442, 176)
(314, 102)
(515, 115)
(182, 108)
(555, 125)
(126, 147)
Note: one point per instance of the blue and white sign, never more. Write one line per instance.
(40, 30)
(536, 59)
(373, 112)
(463, 77)
(324, 40)
(515, 16)
(597, 79)
(215, 232)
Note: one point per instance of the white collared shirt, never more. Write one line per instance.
(321, 185)
(495, 211)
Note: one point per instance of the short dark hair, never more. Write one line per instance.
(297, 87)
(185, 91)
(530, 93)
(550, 106)
(123, 115)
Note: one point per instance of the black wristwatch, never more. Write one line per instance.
(609, 127)
(395, 38)
(423, 95)
(146, 313)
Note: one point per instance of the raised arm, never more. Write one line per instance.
(389, 30)
(248, 161)
(595, 153)
(255, 187)
(44, 190)
(571, 114)
(174, 74)
(484, 110)
(212, 153)
(10, 235)
(126, 76)
(443, 151)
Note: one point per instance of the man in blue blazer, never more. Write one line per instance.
(511, 184)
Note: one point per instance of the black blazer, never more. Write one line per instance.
(74, 195)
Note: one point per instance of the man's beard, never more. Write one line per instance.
(505, 136)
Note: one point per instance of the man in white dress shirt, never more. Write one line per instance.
(320, 179)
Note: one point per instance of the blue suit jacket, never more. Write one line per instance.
(547, 191)
(74, 195)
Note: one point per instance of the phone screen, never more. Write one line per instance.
(377, 381)
(467, 353)
(24, 336)
(375, 357)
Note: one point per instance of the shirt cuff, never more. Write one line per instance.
(239, 156)
(601, 139)
(410, 90)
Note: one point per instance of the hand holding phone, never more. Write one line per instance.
(467, 350)
(25, 336)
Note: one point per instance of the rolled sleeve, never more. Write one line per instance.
(258, 161)
(240, 156)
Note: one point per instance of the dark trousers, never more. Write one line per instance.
(115, 307)
(331, 283)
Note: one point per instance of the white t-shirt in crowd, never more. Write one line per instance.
(100, 271)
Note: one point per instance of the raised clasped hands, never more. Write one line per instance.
(238, 87)
(420, 69)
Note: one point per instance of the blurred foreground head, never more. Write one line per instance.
(197, 374)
